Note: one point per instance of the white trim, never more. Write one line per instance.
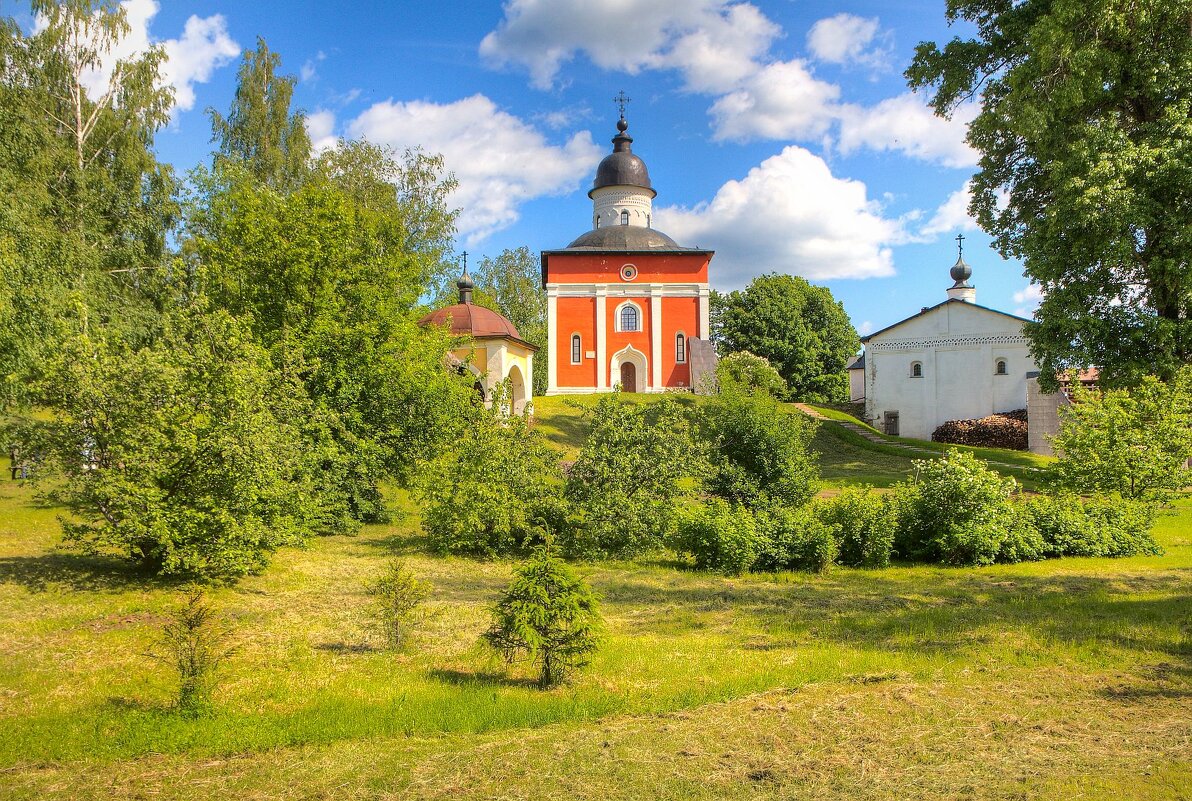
(552, 345)
(705, 328)
(634, 356)
(635, 288)
(571, 350)
(656, 337)
(601, 338)
(617, 317)
(685, 346)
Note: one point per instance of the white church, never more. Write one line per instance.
(952, 361)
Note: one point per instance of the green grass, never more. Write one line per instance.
(1063, 679)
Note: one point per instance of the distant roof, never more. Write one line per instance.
(857, 363)
(468, 319)
(930, 309)
(624, 237)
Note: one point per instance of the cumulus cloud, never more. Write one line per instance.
(848, 40)
(320, 127)
(789, 214)
(310, 68)
(781, 101)
(952, 215)
(905, 124)
(203, 47)
(499, 160)
(714, 42)
(1028, 300)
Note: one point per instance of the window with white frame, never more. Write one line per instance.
(916, 370)
(624, 217)
(680, 348)
(629, 318)
(577, 349)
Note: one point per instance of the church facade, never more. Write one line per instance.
(952, 361)
(625, 302)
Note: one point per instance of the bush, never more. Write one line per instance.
(956, 511)
(721, 537)
(547, 616)
(494, 492)
(1006, 430)
(796, 539)
(759, 450)
(624, 485)
(750, 372)
(1101, 526)
(193, 644)
(397, 595)
(867, 523)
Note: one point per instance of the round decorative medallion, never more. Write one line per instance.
(628, 272)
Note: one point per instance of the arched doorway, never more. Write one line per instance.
(517, 390)
(628, 377)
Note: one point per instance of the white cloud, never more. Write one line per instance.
(789, 214)
(500, 160)
(865, 328)
(781, 101)
(1028, 300)
(320, 126)
(714, 42)
(847, 39)
(310, 67)
(952, 215)
(904, 124)
(203, 47)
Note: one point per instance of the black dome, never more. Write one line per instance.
(961, 272)
(621, 167)
(625, 237)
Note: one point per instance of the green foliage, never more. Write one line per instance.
(1100, 526)
(720, 537)
(798, 539)
(759, 450)
(799, 328)
(185, 456)
(1133, 442)
(260, 133)
(628, 475)
(956, 511)
(193, 644)
(547, 616)
(867, 522)
(1085, 171)
(751, 372)
(494, 491)
(397, 596)
(511, 283)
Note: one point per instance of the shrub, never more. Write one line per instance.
(751, 373)
(759, 450)
(721, 537)
(1101, 526)
(624, 484)
(956, 511)
(867, 523)
(796, 539)
(397, 595)
(494, 492)
(547, 616)
(193, 644)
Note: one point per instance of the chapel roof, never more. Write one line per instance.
(478, 322)
(929, 309)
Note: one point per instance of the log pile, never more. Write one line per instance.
(1006, 430)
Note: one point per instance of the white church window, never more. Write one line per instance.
(624, 217)
(629, 318)
(577, 350)
(916, 370)
(680, 348)
(1001, 367)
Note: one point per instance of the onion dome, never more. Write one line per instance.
(622, 167)
(961, 272)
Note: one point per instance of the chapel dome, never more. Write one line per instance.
(961, 272)
(622, 167)
(468, 319)
(624, 237)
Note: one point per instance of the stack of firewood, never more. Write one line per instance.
(1006, 430)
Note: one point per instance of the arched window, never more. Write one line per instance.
(916, 370)
(1001, 367)
(629, 318)
(597, 220)
(647, 220)
(680, 348)
(624, 217)
(576, 349)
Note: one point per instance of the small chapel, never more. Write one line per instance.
(955, 360)
(627, 306)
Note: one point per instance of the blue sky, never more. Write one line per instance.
(779, 133)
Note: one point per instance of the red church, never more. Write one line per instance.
(624, 301)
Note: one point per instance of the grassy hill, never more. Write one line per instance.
(1064, 679)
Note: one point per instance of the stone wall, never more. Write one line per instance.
(1042, 417)
(702, 360)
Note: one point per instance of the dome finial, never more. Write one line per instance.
(465, 282)
(960, 271)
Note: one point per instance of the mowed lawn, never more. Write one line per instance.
(1064, 679)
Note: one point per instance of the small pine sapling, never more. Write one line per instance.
(548, 616)
(398, 596)
(193, 643)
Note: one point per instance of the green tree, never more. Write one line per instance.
(759, 450)
(1085, 136)
(260, 131)
(751, 372)
(1134, 442)
(799, 328)
(547, 616)
(628, 475)
(512, 283)
(397, 595)
(194, 642)
(185, 456)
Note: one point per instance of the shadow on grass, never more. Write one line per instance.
(347, 648)
(79, 572)
(481, 678)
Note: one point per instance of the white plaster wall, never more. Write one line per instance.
(609, 201)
